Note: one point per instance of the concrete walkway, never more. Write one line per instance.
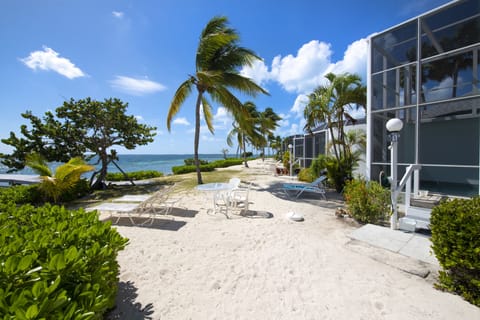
(409, 252)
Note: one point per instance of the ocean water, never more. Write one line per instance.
(139, 162)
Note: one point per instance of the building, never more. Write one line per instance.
(306, 147)
(426, 72)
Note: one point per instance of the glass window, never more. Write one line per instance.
(452, 28)
(449, 133)
(450, 180)
(381, 141)
(395, 47)
(448, 77)
(320, 143)
(309, 147)
(298, 151)
(394, 88)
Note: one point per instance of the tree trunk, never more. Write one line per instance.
(197, 138)
(99, 182)
(244, 152)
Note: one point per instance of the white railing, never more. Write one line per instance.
(406, 182)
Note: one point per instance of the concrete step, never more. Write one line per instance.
(415, 218)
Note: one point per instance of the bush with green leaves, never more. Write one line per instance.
(367, 201)
(306, 175)
(56, 263)
(207, 167)
(455, 226)
(135, 175)
(188, 169)
(227, 162)
(191, 161)
(21, 194)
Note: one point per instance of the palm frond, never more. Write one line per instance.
(38, 164)
(183, 91)
(207, 114)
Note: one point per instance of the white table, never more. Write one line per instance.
(215, 188)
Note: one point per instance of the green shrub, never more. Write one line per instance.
(455, 226)
(56, 263)
(136, 175)
(21, 194)
(367, 202)
(306, 175)
(81, 188)
(32, 195)
(227, 162)
(207, 167)
(188, 169)
(191, 161)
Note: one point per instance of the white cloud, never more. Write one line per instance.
(354, 59)
(136, 86)
(49, 59)
(181, 121)
(139, 118)
(222, 119)
(302, 72)
(118, 14)
(299, 105)
(258, 72)
(284, 122)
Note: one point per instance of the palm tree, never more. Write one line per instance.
(247, 129)
(65, 178)
(268, 122)
(330, 104)
(217, 62)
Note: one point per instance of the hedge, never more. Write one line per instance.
(207, 167)
(455, 226)
(135, 175)
(56, 263)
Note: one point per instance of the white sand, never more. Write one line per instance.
(204, 266)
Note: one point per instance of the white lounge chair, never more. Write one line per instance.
(298, 189)
(140, 206)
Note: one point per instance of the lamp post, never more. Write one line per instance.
(393, 127)
(290, 148)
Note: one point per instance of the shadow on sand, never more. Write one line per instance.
(165, 222)
(333, 201)
(126, 307)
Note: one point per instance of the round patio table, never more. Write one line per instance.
(214, 187)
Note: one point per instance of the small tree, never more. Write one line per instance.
(225, 151)
(79, 127)
(65, 178)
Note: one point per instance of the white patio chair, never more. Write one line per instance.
(238, 199)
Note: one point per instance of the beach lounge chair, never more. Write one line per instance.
(298, 189)
(139, 206)
(118, 210)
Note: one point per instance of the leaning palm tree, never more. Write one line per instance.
(217, 64)
(65, 178)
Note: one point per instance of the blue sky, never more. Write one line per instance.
(140, 52)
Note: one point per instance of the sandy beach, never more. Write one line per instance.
(198, 265)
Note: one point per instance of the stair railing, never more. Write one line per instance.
(405, 182)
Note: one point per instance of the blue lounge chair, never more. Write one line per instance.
(298, 189)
